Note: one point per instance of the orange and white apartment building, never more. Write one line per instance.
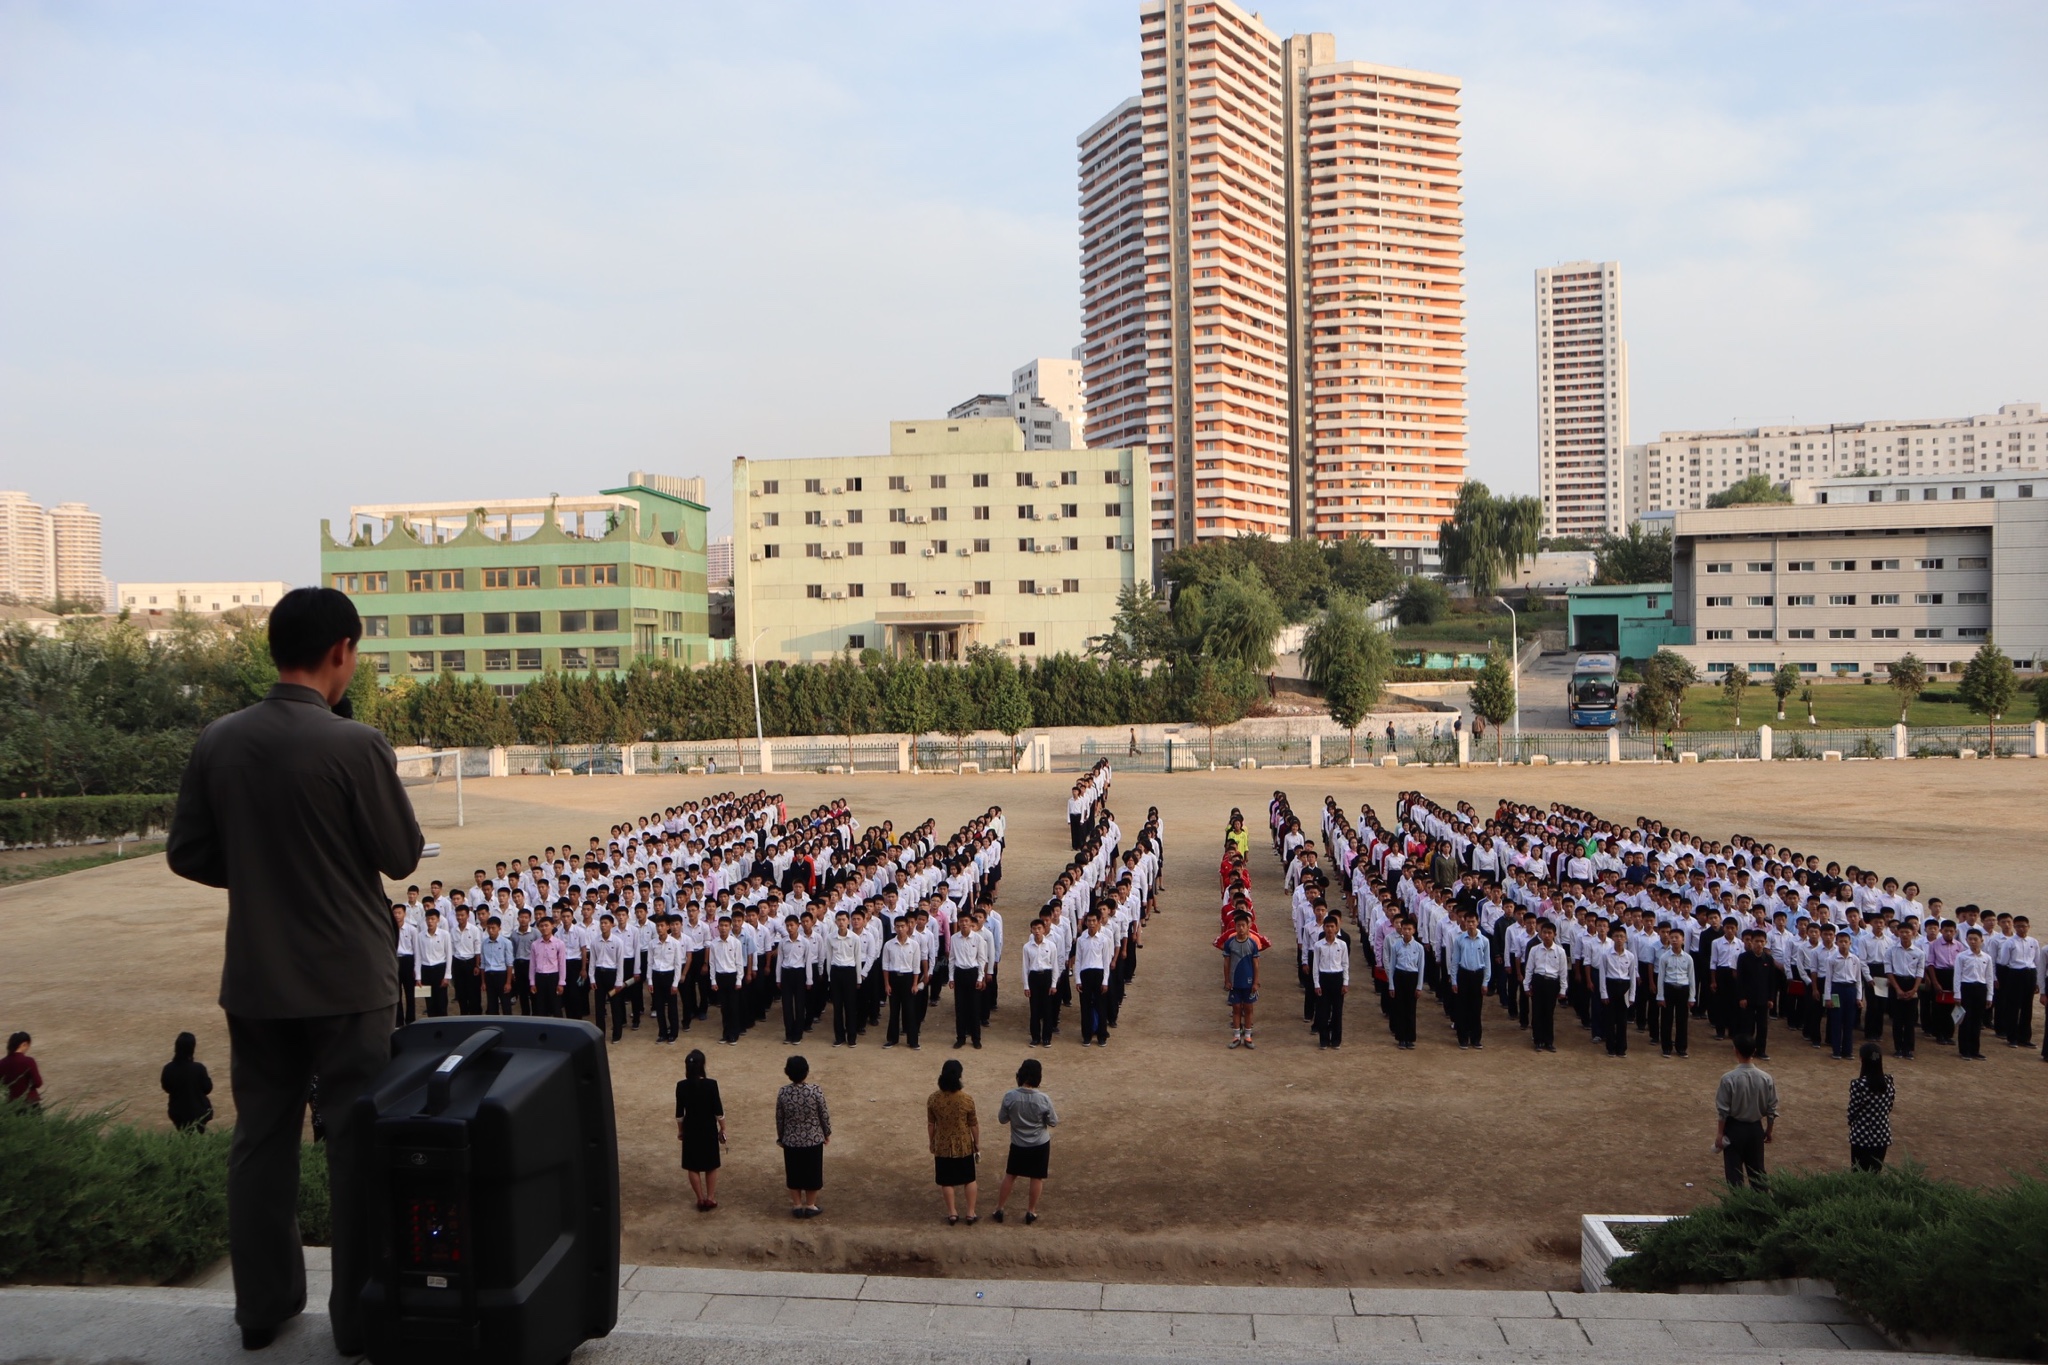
(1273, 296)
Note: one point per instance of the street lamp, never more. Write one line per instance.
(754, 672)
(1515, 660)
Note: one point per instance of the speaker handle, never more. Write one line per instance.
(439, 1084)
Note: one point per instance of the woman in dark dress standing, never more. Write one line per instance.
(700, 1126)
(185, 1080)
(1870, 1112)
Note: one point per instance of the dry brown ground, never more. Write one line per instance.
(1178, 1159)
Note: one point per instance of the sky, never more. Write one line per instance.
(259, 262)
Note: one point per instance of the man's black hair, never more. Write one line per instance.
(307, 622)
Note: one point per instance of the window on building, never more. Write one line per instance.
(1025, 480)
(451, 623)
(899, 514)
(856, 590)
(419, 661)
(1798, 566)
(1799, 633)
(1720, 601)
(1070, 585)
(454, 661)
(527, 577)
(1720, 635)
(1885, 633)
(1761, 635)
(1927, 632)
(497, 578)
(573, 575)
(1070, 509)
(853, 485)
(528, 660)
(526, 623)
(982, 587)
(1072, 542)
(419, 625)
(771, 486)
(1974, 562)
(1759, 566)
(1841, 632)
(899, 590)
(938, 481)
(1027, 544)
(938, 547)
(605, 656)
(856, 548)
(376, 627)
(856, 642)
(380, 661)
(497, 623)
(938, 514)
(1881, 565)
(497, 661)
(1112, 509)
(814, 485)
(854, 516)
(771, 518)
(899, 483)
(1927, 599)
(1027, 586)
(575, 622)
(1842, 565)
(981, 546)
(1973, 599)
(1027, 512)
(1759, 600)
(898, 547)
(814, 518)
(981, 514)
(1027, 638)
(605, 620)
(1841, 599)
(814, 550)
(575, 659)
(980, 480)
(1070, 476)
(1799, 600)
(1973, 632)
(771, 552)
(1928, 563)
(1720, 568)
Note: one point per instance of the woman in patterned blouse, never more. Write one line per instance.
(1870, 1112)
(803, 1125)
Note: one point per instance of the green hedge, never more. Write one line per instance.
(88, 1200)
(48, 819)
(1918, 1255)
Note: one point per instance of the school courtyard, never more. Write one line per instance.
(1177, 1160)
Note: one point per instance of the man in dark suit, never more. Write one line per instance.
(295, 809)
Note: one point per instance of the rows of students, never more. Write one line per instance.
(1084, 941)
(1643, 927)
(728, 902)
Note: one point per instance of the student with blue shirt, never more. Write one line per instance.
(495, 956)
(1471, 968)
(1405, 960)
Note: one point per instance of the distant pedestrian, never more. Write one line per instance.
(700, 1127)
(1031, 1116)
(803, 1125)
(1134, 741)
(953, 1131)
(1746, 1105)
(185, 1080)
(1870, 1111)
(20, 1077)
(1390, 737)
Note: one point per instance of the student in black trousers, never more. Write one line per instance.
(1330, 956)
(1405, 959)
(1546, 967)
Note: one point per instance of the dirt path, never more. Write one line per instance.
(1177, 1159)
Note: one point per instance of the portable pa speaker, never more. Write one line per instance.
(491, 1189)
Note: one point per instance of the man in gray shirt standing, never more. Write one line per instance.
(1746, 1104)
(295, 809)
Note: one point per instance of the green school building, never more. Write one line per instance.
(1632, 620)
(504, 591)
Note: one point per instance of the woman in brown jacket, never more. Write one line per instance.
(954, 1132)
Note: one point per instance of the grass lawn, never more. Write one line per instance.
(1844, 706)
(1477, 628)
(34, 864)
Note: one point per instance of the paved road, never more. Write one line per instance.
(1543, 700)
(671, 1314)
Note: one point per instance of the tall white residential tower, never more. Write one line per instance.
(1581, 399)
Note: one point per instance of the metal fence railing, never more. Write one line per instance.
(1947, 741)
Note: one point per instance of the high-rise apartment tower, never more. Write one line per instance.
(1581, 399)
(1272, 266)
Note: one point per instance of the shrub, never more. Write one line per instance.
(48, 819)
(88, 1199)
(1918, 1255)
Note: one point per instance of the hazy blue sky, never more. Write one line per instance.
(261, 261)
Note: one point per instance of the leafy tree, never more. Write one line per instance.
(1008, 707)
(953, 708)
(1908, 678)
(1659, 701)
(1219, 691)
(543, 711)
(1424, 601)
(908, 705)
(1990, 688)
(1487, 538)
(1295, 572)
(1233, 618)
(1141, 632)
(1358, 568)
(2041, 697)
(850, 701)
(1734, 683)
(1637, 557)
(1784, 683)
(1754, 488)
(1493, 694)
(1347, 656)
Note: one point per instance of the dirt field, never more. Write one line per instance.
(1177, 1160)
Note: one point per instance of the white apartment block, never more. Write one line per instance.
(960, 535)
(27, 559)
(1045, 400)
(1681, 469)
(75, 555)
(1878, 570)
(1272, 268)
(152, 599)
(1581, 399)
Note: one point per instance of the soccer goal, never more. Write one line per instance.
(431, 769)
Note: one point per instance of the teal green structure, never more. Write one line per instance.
(490, 602)
(1629, 619)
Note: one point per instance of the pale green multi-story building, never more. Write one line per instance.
(958, 536)
(505, 590)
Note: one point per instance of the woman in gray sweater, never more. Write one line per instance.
(1029, 1112)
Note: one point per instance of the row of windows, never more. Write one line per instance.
(1849, 633)
(854, 516)
(1027, 638)
(2026, 490)
(501, 623)
(1849, 565)
(515, 576)
(979, 588)
(1849, 599)
(495, 660)
(900, 483)
(855, 549)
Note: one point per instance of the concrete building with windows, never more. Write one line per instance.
(505, 590)
(1044, 398)
(1842, 587)
(165, 599)
(1633, 620)
(1682, 469)
(1272, 284)
(27, 571)
(960, 535)
(1581, 399)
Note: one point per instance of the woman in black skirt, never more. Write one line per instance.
(802, 1128)
(700, 1126)
(1031, 1116)
(954, 1131)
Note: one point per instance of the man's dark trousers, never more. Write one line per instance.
(1471, 999)
(272, 1065)
(1742, 1158)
